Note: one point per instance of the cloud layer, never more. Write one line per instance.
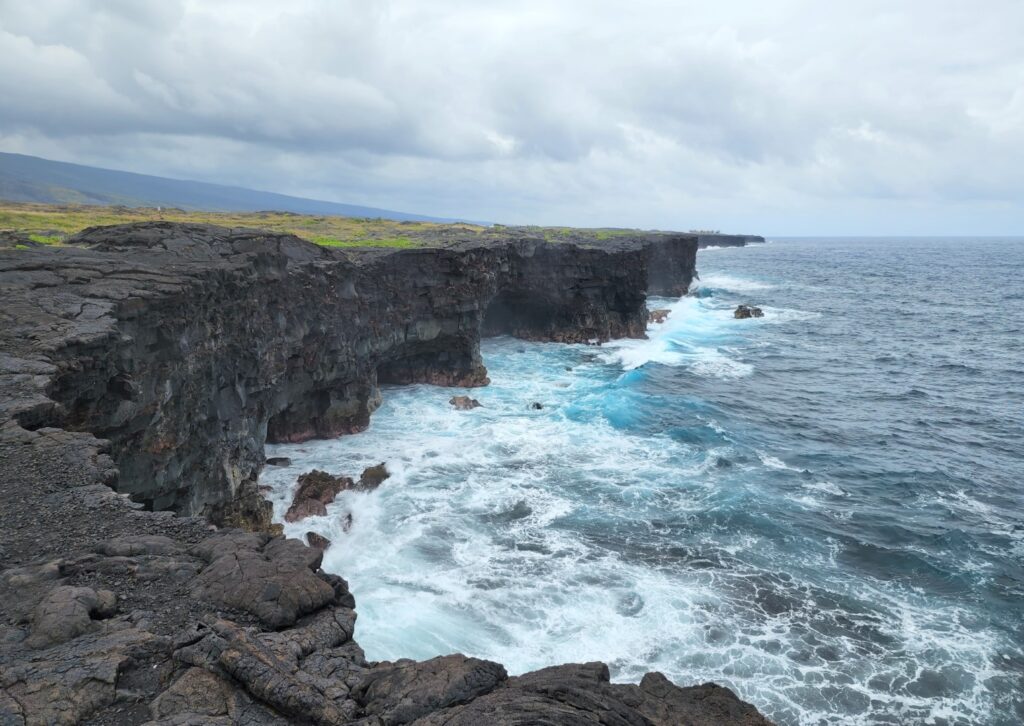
(801, 117)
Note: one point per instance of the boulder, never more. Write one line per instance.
(275, 580)
(401, 692)
(317, 541)
(316, 490)
(67, 612)
(748, 311)
(279, 461)
(372, 477)
(464, 403)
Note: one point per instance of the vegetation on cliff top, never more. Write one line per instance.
(51, 224)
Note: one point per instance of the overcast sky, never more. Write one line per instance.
(782, 117)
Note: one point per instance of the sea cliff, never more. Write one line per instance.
(143, 369)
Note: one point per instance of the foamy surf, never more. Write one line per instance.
(666, 510)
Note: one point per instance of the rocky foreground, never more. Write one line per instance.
(142, 369)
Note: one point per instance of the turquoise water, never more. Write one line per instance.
(821, 509)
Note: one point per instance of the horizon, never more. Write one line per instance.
(732, 118)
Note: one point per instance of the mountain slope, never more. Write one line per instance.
(32, 179)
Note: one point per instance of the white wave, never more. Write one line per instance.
(773, 462)
(684, 339)
(827, 487)
(713, 363)
(508, 534)
(732, 283)
(784, 315)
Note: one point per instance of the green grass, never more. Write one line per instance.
(399, 242)
(52, 224)
(46, 239)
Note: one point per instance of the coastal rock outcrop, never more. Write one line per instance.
(717, 239)
(372, 477)
(188, 346)
(659, 315)
(142, 369)
(316, 490)
(464, 403)
(743, 312)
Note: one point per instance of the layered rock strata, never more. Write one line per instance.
(142, 368)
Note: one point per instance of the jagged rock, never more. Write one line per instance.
(305, 508)
(464, 403)
(372, 477)
(580, 695)
(401, 692)
(248, 510)
(658, 316)
(225, 647)
(277, 583)
(748, 311)
(279, 461)
(317, 541)
(201, 697)
(316, 490)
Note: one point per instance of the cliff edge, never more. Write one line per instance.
(142, 369)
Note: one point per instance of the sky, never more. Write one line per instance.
(784, 117)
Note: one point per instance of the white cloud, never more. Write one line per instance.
(792, 116)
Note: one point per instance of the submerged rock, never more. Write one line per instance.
(658, 316)
(536, 406)
(464, 403)
(748, 311)
(279, 461)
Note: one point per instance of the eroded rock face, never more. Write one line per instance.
(189, 346)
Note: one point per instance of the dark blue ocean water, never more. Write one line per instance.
(822, 508)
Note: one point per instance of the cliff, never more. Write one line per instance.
(143, 368)
(727, 240)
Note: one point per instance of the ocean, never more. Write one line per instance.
(822, 509)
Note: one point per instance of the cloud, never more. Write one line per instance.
(792, 116)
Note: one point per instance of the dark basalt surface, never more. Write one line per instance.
(142, 368)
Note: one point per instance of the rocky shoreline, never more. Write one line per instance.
(142, 369)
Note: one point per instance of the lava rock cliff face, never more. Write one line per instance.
(200, 344)
(143, 367)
